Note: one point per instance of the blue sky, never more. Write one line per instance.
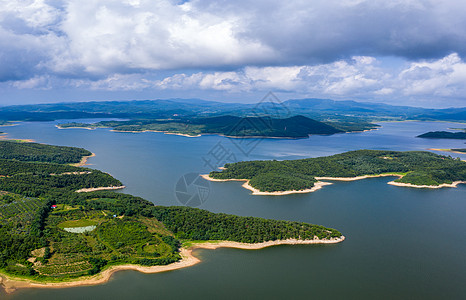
(408, 52)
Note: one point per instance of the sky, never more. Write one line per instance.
(401, 52)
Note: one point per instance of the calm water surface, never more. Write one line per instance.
(401, 242)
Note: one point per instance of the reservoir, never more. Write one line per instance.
(400, 242)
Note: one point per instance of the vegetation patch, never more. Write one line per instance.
(78, 223)
(41, 152)
(416, 167)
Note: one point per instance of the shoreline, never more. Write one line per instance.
(88, 128)
(217, 134)
(446, 150)
(158, 131)
(4, 137)
(10, 284)
(83, 161)
(102, 188)
(453, 184)
(319, 184)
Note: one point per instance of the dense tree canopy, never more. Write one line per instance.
(419, 168)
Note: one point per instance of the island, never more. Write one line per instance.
(414, 169)
(443, 135)
(232, 126)
(58, 227)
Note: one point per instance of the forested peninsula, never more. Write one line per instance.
(51, 235)
(443, 135)
(233, 126)
(415, 168)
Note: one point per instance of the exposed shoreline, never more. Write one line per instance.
(453, 184)
(446, 150)
(83, 161)
(319, 184)
(102, 188)
(11, 284)
(4, 137)
(159, 131)
(88, 128)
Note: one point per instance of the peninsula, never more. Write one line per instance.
(444, 135)
(414, 169)
(61, 225)
(233, 126)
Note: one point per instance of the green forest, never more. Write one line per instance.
(41, 153)
(49, 232)
(417, 167)
(197, 224)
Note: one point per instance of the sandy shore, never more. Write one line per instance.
(446, 150)
(4, 136)
(453, 184)
(159, 131)
(83, 161)
(318, 185)
(358, 177)
(188, 259)
(88, 128)
(103, 188)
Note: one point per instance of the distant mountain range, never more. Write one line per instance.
(318, 109)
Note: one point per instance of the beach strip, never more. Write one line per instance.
(188, 259)
(319, 184)
(103, 188)
(83, 161)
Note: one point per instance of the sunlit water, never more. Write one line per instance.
(401, 242)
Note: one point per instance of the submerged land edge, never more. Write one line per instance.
(11, 284)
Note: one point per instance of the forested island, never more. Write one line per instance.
(50, 233)
(443, 135)
(293, 127)
(415, 168)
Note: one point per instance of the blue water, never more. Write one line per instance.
(401, 242)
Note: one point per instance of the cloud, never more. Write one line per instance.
(443, 77)
(331, 48)
(97, 38)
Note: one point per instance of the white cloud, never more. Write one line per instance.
(443, 77)
(329, 48)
